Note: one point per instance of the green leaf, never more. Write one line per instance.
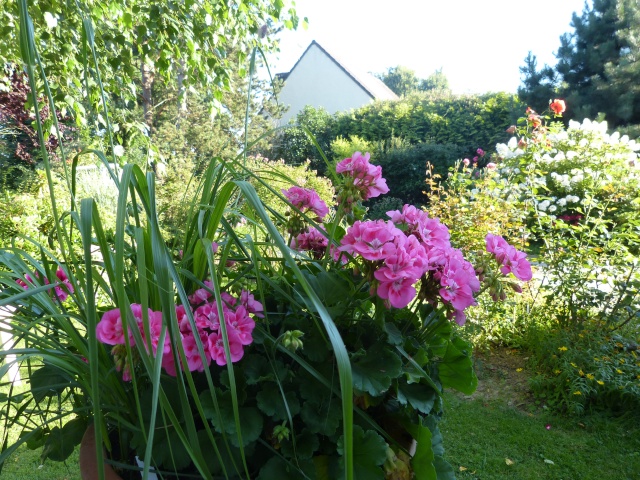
(277, 468)
(48, 381)
(256, 370)
(419, 396)
(394, 335)
(321, 417)
(61, 442)
(373, 372)
(250, 423)
(422, 461)
(36, 440)
(332, 290)
(369, 452)
(271, 403)
(444, 470)
(456, 367)
(306, 445)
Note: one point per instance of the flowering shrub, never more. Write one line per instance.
(571, 195)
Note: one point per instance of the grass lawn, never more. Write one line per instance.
(25, 465)
(498, 433)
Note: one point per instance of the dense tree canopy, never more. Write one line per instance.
(597, 67)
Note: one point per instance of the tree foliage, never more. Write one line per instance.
(403, 81)
(538, 86)
(597, 66)
(139, 44)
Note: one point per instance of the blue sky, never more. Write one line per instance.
(479, 44)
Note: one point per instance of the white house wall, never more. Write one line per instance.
(318, 81)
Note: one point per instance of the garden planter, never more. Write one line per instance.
(88, 460)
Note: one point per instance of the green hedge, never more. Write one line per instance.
(470, 121)
(467, 121)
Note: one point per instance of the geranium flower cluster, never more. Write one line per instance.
(410, 247)
(306, 201)
(362, 179)
(311, 240)
(237, 313)
(511, 260)
(62, 288)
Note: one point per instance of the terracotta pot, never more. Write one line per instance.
(88, 460)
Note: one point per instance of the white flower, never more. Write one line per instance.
(51, 20)
(562, 202)
(544, 205)
(513, 143)
(502, 150)
(553, 208)
(571, 155)
(118, 150)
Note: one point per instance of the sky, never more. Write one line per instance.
(478, 44)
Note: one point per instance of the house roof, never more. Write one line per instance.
(370, 84)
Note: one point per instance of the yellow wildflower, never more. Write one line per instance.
(622, 360)
(590, 376)
(618, 370)
(556, 371)
(600, 382)
(577, 393)
(574, 365)
(563, 349)
(518, 369)
(581, 373)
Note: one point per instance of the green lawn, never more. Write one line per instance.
(25, 465)
(498, 433)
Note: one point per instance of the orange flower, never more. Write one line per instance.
(557, 106)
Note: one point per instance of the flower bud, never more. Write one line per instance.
(516, 287)
(291, 340)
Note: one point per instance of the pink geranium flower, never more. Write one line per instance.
(516, 262)
(109, 329)
(310, 240)
(512, 260)
(192, 353)
(399, 292)
(240, 322)
(369, 239)
(216, 347)
(306, 200)
(367, 178)
(251, 304)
